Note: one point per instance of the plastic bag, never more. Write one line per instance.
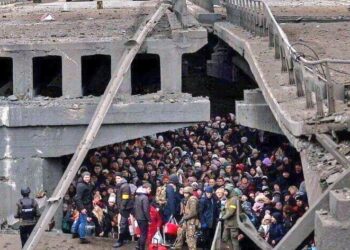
(157, 238)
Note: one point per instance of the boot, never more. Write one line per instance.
(75, 235)
(119, 242)
(84, 241)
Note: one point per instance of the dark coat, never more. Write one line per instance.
(170, 207)
(141, 207)
(83, 197)
(209, 210)
(276, 231)
(124, 198)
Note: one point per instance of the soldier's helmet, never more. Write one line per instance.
(229, 187)
(25, 191)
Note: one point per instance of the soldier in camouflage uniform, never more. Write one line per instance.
(230, 233)
(189, 222)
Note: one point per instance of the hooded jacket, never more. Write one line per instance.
(276, 231)
(209, 211)
(141, 206)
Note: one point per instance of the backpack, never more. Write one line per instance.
(27, 209)
(161, 195)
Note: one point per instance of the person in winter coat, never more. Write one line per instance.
(125, 206)
(142, 213)
(155, 223)
(230, 233)
(170, 207)
(83, 201)
(265, 226)
(276, 231)
(209, 210)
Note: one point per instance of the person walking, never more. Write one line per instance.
(28, 213)
(189, 222)
(125, 205)
(142, 213)
(230, 233)
(83, 201)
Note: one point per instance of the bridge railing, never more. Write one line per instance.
(256, 17)
(205, 4)
(3, 2)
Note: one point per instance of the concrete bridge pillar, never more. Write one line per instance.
(71, 76)
(332, 228)
(171, 70)
(125, 88)
(254, 112)
(23, 75)
(37, 173)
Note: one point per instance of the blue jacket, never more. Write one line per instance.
(209, 210)
(276, 232)
(170, 207)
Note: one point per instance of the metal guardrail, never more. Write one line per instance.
(256, 17)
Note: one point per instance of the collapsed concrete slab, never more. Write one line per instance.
(38, 129)
(254, 112)
(332, 227)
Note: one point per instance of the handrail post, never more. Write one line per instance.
(283, 58)
(271, 36)
(308, 94)
(330, 91)
(298, 76)
(319, 99)
(277, 46)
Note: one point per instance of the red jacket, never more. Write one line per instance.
(156, 222)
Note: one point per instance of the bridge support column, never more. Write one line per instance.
(71, 76)
(39, 174)
(171, 70)
(254, 112)
(125, 87)
(23, 75)
(332, 228)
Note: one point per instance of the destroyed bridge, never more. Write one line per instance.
(68, 83)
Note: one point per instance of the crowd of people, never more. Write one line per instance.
(195, 177)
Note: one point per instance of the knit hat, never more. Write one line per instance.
(209, 189)
(197, 164)
(267, 162)
(194, 185)
(119, 174)
(86, 173)
(174, 179)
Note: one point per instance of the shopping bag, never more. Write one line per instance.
(137, 229)
(171, 227)
(157, 238)
(156, 247)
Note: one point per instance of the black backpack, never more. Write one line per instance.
(27, 209)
